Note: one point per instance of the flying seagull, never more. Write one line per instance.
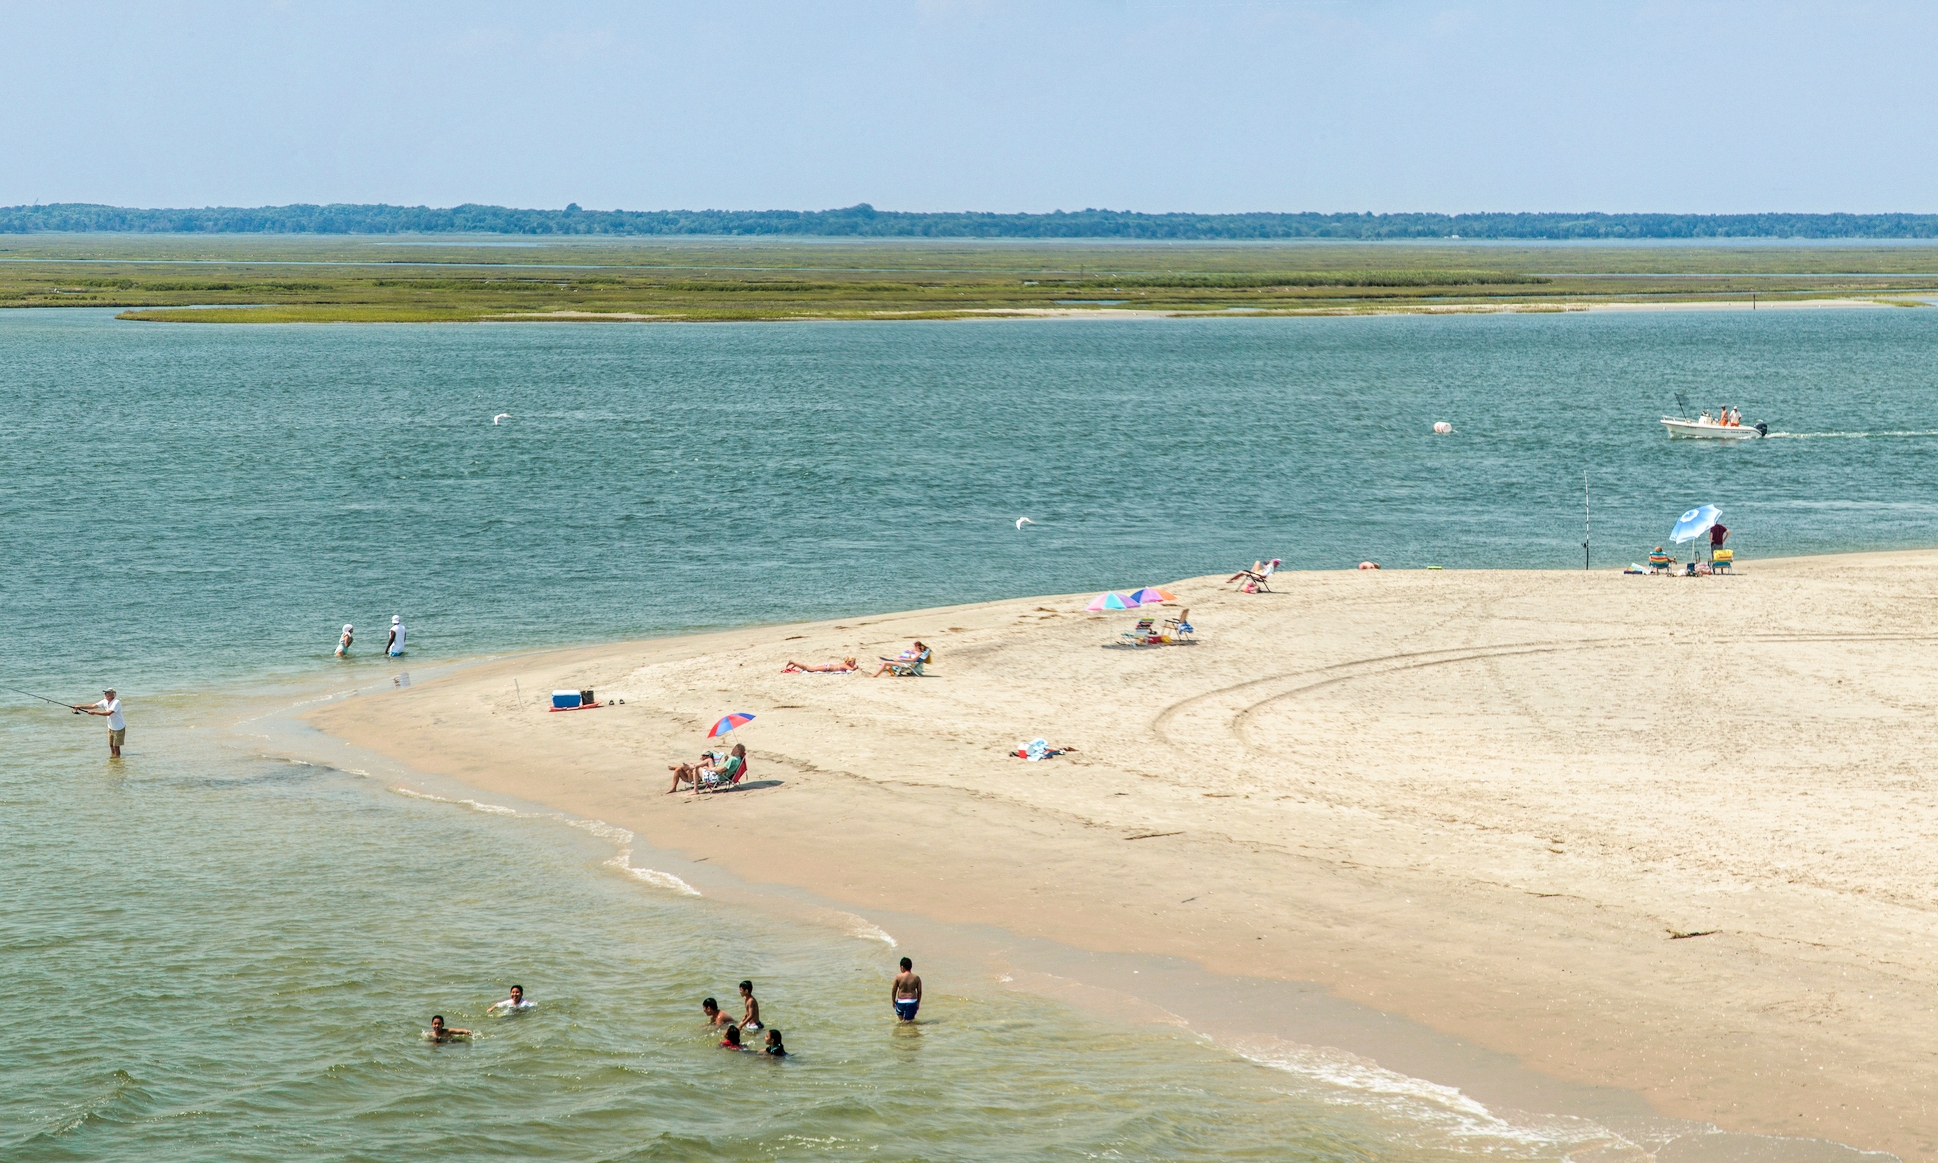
(1022, 521)
(501, 416)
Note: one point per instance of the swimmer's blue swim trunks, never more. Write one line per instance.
(905, 1009)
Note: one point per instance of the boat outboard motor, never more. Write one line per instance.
(1762, 428)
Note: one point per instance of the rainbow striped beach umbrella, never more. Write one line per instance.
(1152, 595)
(1112, 601)
(729, 722)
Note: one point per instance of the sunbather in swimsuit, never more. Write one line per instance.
(842, 667)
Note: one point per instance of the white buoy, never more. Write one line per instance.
(501, 416)
(1442, 428)
(1022, 521)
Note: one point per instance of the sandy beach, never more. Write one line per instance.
(1671, 835)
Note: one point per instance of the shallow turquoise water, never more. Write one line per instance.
(230, 957)
(201, 500)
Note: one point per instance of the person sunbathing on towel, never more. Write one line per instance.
(842, 667)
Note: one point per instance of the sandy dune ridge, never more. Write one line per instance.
(1674, 835)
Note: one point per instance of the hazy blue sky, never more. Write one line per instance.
(1434, 105)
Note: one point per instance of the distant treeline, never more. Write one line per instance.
(864, 221)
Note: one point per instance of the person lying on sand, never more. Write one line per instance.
(842, 667)
(440, 1032)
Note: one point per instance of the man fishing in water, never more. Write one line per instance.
(109, 708)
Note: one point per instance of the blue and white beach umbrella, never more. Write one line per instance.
(1694, 523)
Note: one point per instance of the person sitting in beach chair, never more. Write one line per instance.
(843, 667)
(1660, 562)
(908, 664)
(725, 776)
(711, 766)
(1142, 633)
(1256, 579)
(688, 773)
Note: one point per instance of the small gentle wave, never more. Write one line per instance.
(620, 837)
(862, 928)
(474, 805)
(1436, 1111)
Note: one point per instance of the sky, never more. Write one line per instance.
(943, 105)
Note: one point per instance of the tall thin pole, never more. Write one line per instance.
(1584, 519)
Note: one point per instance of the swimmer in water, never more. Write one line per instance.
(514, 1003)
(343, 641)
(711, 1009)
(443, 1033)
(774, 1047)
(906, 993)
(732, 1040)
(752, 1019)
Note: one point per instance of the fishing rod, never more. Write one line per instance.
(42, 698)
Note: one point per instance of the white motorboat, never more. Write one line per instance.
(1705, 428)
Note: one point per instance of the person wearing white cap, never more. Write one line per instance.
(395, 647)
(343, 643)
(110, 708)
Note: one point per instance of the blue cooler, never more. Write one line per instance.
(566, 700)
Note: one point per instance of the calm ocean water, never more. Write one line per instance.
(230, 957)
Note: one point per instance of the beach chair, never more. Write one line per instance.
(712, 781)
(1179, 630)
(1661, 563)
(1722, 560)
(1259, 582)
(910, 669)
(1142, 632)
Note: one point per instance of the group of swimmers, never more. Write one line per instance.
(393, 645)
(515, 1004)
(749, 1022)
(1726, 416)
(905, 993)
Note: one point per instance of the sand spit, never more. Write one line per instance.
(1671, 835)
